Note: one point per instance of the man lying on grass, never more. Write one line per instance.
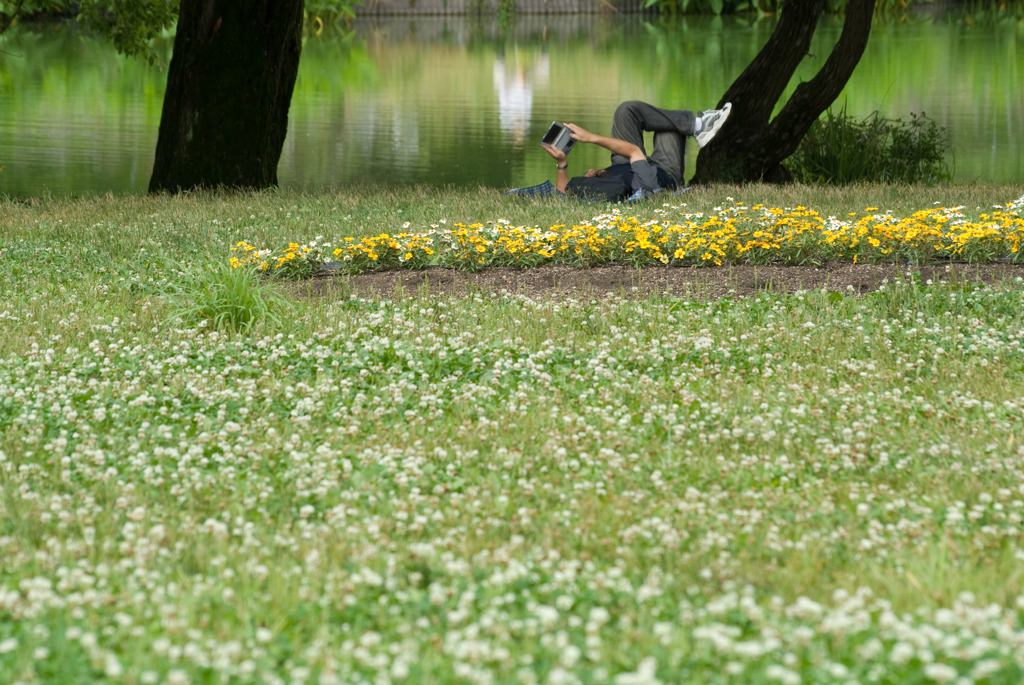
(632, 172)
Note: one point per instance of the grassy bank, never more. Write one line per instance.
(812, 488)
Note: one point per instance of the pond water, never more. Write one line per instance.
(452, 101)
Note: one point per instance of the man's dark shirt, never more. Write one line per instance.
(626, 173)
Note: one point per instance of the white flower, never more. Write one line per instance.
(703, 343)
(112, 666)
(782, 674)
(940, 673)
(399, 669)
(985, 668)
(804, 607)
(559, 676)
(570, 656)
(600, 615)
(178, 677)
(644, 674)
(901, 653)
(548, 616)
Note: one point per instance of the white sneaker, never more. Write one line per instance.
(711, 123)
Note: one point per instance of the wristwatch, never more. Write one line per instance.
(562, 167)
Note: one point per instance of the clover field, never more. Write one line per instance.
(809, 488)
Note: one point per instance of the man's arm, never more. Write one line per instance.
(563, 167)
(614, 145)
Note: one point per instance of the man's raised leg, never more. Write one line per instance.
(669, 153)
(633, 117)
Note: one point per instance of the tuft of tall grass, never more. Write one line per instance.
(224, 298)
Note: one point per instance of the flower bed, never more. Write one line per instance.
(736, 234)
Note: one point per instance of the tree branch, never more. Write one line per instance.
(813, 97)
(14, 15)
(767, 76)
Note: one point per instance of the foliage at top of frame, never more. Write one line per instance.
(969, 10)
(143, 12)
(132, 25)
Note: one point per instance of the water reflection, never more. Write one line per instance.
(450, 101)
(514, 79)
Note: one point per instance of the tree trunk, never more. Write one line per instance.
(229, 86)
(751, 147)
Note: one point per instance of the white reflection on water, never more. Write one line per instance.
(514, 81)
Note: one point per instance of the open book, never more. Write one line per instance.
(559, 136)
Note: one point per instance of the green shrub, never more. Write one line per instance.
(839, 149)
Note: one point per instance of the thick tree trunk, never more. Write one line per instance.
(750, 147)
(229, 86)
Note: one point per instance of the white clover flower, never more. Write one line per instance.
(985, 668)
(643, 675)
(112, 667)
(940, 673)
(400, 667)
(837, 670)
(570, 656)
(559, 676)
(782, 675)
(178, 677)
(662, 630)
(703, 343)
(901, 653)
(805, 608)
(548, 616)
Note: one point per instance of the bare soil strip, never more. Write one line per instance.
(618, 280)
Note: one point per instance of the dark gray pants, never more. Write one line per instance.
(671, 127)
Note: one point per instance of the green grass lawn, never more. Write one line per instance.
(203, 480)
